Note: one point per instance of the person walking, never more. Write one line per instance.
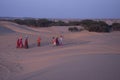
(38, 41)
(61, 40)
(20, 42)
(26, 42)
(57, 42)
(54, 41)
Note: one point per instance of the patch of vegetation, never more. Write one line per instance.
(40, 22)
(95, 26)
(74, 29)
(116, 26)
(34, 22)
(90, 25)
(74, 23)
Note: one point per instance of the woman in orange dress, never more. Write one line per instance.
(38, 41)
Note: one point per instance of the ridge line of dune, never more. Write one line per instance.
(14, 27)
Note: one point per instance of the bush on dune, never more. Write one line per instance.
(116, 26)
(75, 29)
(40, 22)
(59, 23)
(74, 23)
(43, 23)
(95, 26)
(34, 22)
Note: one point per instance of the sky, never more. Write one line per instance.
(82, 9)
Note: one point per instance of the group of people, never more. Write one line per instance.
(20, 43)
(55, 41)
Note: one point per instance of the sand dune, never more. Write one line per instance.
(84, 55)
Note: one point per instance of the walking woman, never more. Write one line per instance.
(57, 41)
(61, 40)
(38, 41)
(26, 42)
(20, 42)
(54, 41)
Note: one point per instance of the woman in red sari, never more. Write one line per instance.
(21, 43)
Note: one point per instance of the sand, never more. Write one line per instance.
(83, 56)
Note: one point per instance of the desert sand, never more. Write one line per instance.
(83, 55)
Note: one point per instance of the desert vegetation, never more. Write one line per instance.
(39, 22)
(75, 29)
(34, 22)
(95, 26)
(90, 25)
(116, 26)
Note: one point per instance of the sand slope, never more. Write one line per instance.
(84, 55)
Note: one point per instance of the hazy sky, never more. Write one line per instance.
(60, 8)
